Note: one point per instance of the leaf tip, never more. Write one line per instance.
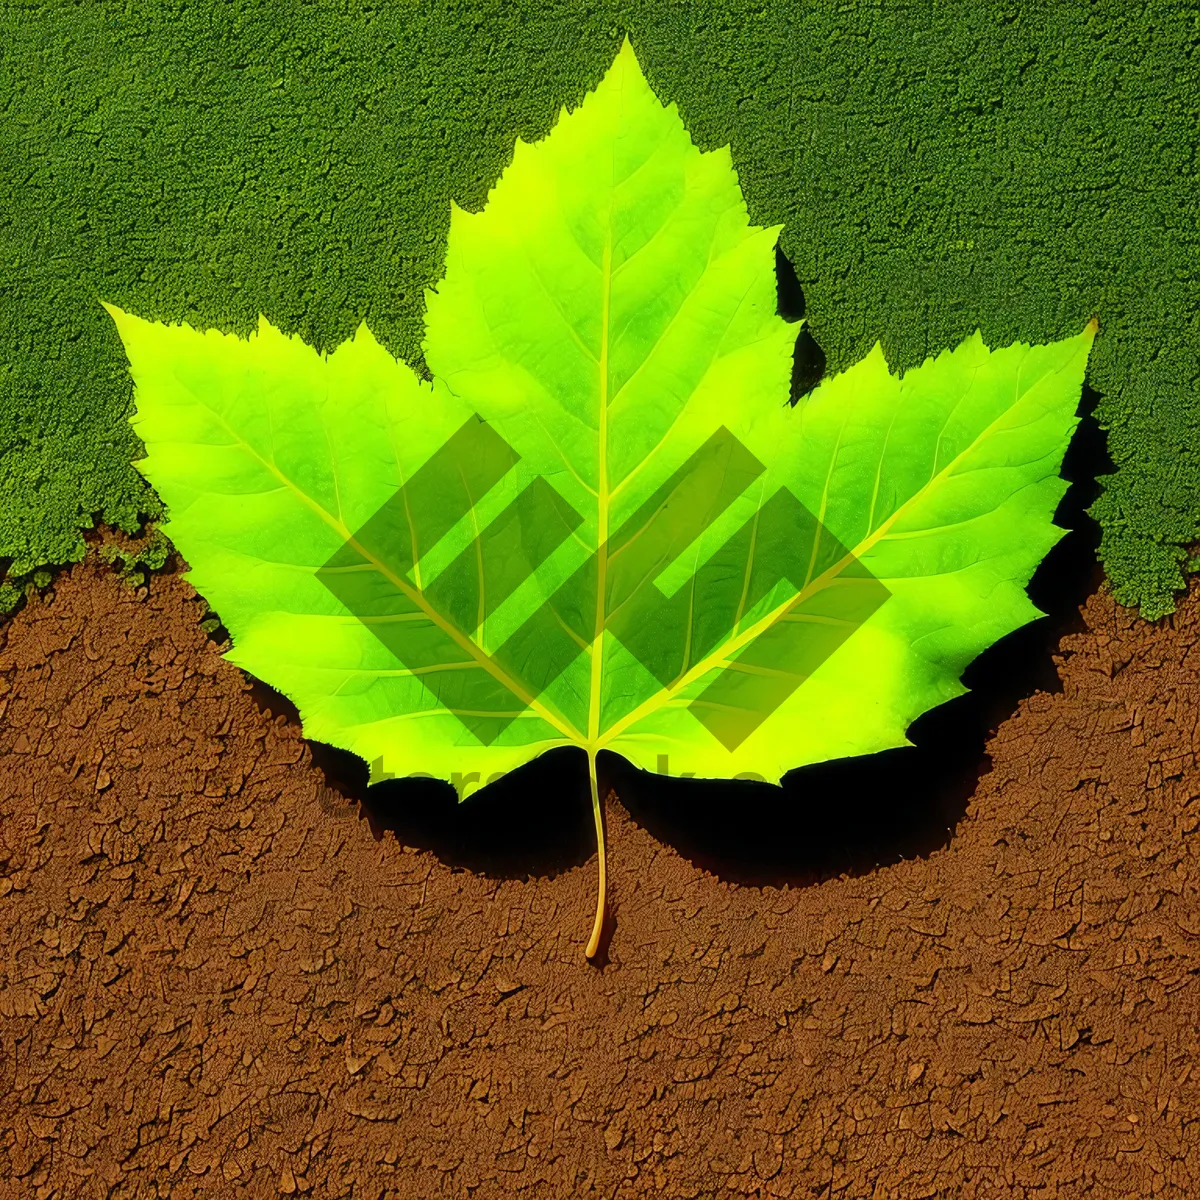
(125, 322)
(627, 61)
(1091, 328)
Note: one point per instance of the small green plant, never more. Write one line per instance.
(133, 562)
(602, 525)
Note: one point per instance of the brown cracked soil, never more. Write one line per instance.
(223, 976)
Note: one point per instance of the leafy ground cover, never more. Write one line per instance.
(934, 168)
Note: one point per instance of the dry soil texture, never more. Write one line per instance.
(217, 980)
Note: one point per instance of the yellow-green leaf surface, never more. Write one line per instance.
(603, 525)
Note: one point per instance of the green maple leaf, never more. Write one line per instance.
(602, 525)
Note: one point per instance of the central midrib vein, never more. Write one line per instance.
(602, 502)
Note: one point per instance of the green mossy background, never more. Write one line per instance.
(937, 167)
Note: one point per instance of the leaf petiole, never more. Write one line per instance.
(594, 941)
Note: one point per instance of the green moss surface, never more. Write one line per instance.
(937, 168)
